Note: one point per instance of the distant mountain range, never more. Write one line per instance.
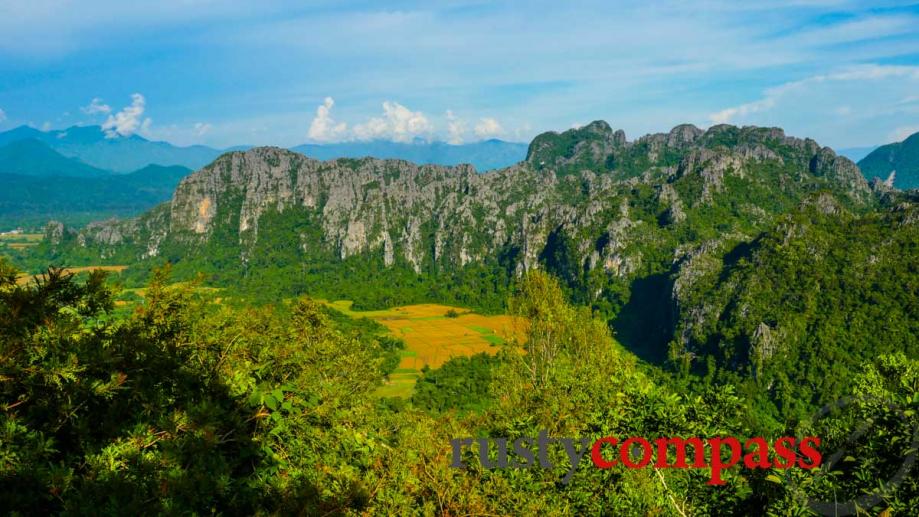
(120, 155)
(31, 157)
(900, 159)
(484, 156)
(78, 174)
(90, 145)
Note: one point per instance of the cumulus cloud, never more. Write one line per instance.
(201, 128)
(488, 128)
(96, 106)
(129, 120)
(398, 124)
(456, 127)
(324, 128)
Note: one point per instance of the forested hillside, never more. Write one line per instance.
(186, 406)
(897, 162)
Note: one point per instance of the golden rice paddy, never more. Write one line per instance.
(432, 338)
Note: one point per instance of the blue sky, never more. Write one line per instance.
(284, 73)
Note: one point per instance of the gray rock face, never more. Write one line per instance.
(54, 232)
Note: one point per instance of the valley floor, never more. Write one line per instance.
(433, 334)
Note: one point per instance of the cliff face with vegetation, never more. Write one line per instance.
(589, 188)
(672, 237)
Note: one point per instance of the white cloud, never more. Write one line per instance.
(46, 126)
(902, 133)
(488, 128)
(128, 121)
(398, 124)
(847, 107)
(201, 128)
(323, 128)
(781, 94)
(523, 132)
(96, 106)
(726, 115)
(2, 116)
(455, 129)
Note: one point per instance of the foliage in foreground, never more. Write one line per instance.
(185, 407)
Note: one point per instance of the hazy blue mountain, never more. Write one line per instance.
(30, 201)
(90, 145)
(484, 155)
(900, 157)
(30, 157)
(119, 154)
(856, 153)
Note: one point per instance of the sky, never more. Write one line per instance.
(273, 72)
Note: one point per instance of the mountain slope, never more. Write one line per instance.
(30, 201)
(31, 157)
(900, 159)
(803, 305)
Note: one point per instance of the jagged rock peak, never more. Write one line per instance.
(683, 134)
(590, 142)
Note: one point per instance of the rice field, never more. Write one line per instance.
(432, 338)
(19, 241)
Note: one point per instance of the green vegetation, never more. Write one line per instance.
(30, 202)
(792, 316)
(462, 384)
(900, 157)
(184, 406)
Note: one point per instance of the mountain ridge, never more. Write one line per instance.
(899, 158)
(357, 201)
(126, 154)
(31, 157)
